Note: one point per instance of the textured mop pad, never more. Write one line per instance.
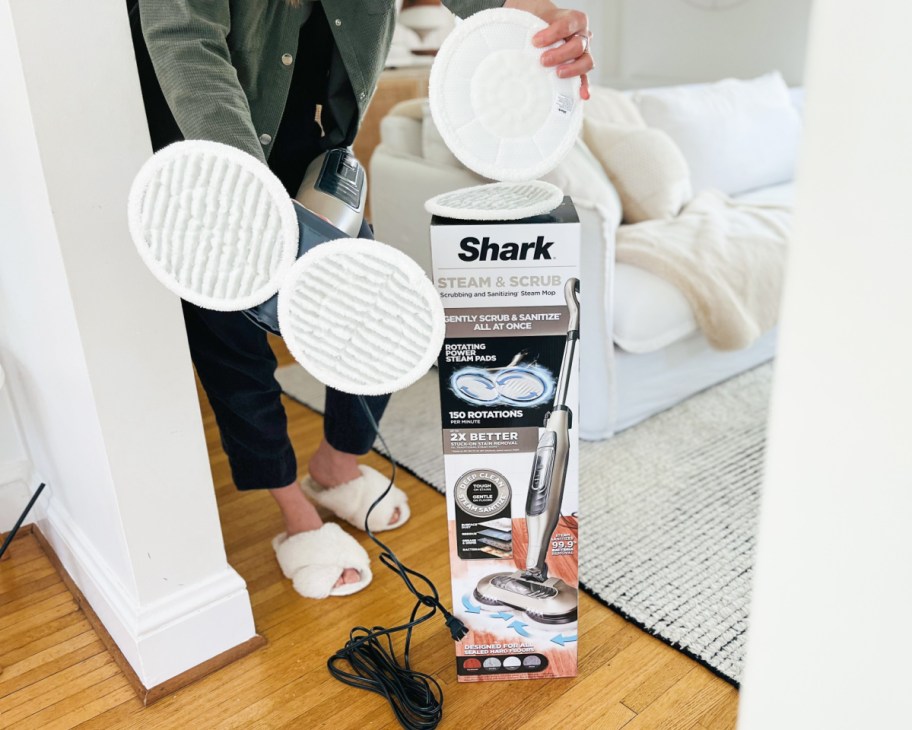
(213, 224)
(499, 110)
(497, 202)
(361, 316)
(519, 385)
(476, 386)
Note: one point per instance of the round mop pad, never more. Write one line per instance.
(475, 386)
(213, 224)
(501, 201)
(361, 316)
(519, 385)
(499, 110)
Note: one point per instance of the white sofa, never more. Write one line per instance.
(641, 351)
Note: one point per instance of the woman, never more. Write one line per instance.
(252, 74)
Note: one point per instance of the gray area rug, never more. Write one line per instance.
(668, 508)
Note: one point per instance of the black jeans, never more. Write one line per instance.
(237, 368)
(232, 355)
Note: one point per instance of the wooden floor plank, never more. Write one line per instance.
(27, 603)
(66, 715)
(56, 676)
(59, 632)
(18, 644)
(685, 702)
(87, 702)
(28, 590)
(55, 659)
(14, 574)
(58, 687)
(723, 715)
(672, 669)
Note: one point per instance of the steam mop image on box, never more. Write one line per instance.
(545, 599)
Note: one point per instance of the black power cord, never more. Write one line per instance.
(28, 508)
(373, 664)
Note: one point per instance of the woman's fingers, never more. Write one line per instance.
(571, 58)
(580, 66)
(562, 24)
(569, 51)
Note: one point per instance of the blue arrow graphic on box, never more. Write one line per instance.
(520, 628)
(561, 639)
(469, 606)
(502, 614)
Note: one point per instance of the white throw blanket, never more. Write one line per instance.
(728, 259)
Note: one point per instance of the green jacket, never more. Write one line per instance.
(225, 66)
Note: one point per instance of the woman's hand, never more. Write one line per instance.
(573, 57)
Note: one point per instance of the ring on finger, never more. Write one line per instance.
(586, 42)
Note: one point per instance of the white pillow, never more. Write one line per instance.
(582, 178)
(611, 106)
(647, 169)
(736, 135)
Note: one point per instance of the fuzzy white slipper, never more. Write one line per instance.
(352, 500)
(315, 560)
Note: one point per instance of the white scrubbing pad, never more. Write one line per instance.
(497, 201)
(213, 224)
(475, 386)
(499, 110)
(520, 386)
(361, 316)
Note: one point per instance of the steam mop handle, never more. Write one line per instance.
(571, 288)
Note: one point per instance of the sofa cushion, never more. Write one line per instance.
(649, 313)
(646, 167)
(411, 108)
(401, 134)
(736, 135)
(433, 148)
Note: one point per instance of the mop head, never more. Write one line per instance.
(502, 201)
(361, 317)
(500, 111)
(213, 224)
(550, 602)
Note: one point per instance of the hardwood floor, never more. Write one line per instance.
(56, 673)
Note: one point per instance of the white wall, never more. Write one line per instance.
(94, 349)
(828, 645)
(15, 468)
(658, 42)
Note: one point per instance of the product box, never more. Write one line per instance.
(509, 400)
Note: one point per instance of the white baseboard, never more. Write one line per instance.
(165, 638)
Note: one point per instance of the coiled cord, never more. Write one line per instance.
(373, 664)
